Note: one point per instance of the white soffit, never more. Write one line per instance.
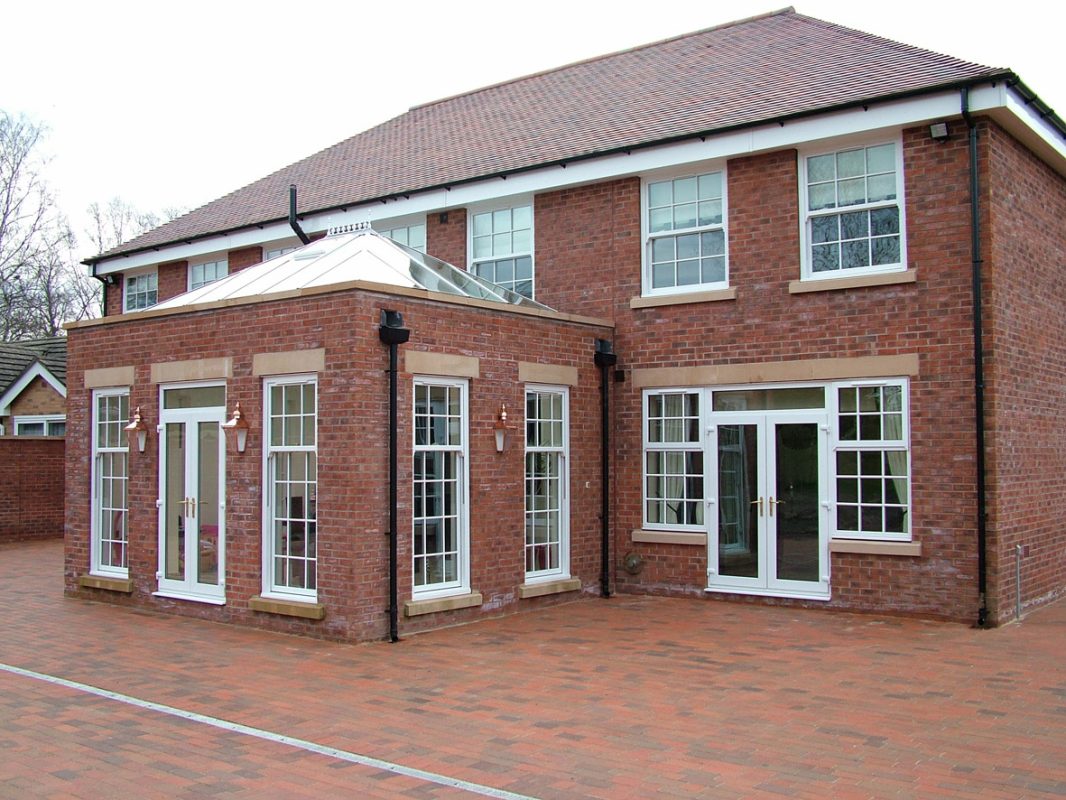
(998, 99)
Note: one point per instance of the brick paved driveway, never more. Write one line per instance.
(628, 698)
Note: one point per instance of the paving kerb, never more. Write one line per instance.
(629, 697)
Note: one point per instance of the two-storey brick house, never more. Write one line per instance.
(830, 270)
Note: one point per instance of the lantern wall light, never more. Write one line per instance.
(137, 431)
(238, 425)
(500, 429)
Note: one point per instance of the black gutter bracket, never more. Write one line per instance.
(392, 333)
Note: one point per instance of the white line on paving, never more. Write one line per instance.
(270, 736)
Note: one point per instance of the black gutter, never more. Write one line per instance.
(994, 77)
(605, 358)
(978, 368)
(292, 216)
(392, 333)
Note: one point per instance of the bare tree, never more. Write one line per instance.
(117, 221)
(34, 236)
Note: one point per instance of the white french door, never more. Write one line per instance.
(768, 513)
(191, 488)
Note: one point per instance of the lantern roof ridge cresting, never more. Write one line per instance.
(346, 256)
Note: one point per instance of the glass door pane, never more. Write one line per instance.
(739, 501)
(794, 501)
(207, 503)
(175, 502)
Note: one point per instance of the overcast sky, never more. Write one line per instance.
(176, 104)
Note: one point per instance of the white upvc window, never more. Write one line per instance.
(501, 247)
(871, 460)
(140, 291)
(547, 547)
(413, 236)
(673, 460)
(110, 462)
(852, 219)
(290, 546)
(40, 425)
(278, 251)
(440, 544)
(684, 228)
(207, 272)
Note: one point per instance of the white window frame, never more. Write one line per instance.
(837, 444)
(510, 205)
(462, 584)
(807, 272)
(96, 567)
(648, 238)
(270, 589)
(275, 252)
(127, 296)
(31, 419)
(699, 445)
(388, 227)
(216, 265)
(563, 569)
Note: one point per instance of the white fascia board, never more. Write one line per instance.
(35, 370)
(772, 136)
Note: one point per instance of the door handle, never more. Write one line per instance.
(759, 501)
(771, 503)
(192, 503)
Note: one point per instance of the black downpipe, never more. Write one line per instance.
(292, 216)
(393, 334)
(605, 359)
(978, 368)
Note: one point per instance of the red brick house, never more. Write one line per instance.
(798, 337)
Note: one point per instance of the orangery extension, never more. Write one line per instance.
(770, 312)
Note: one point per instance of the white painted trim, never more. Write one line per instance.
(269, 590)
(489, 207)
(126, 286)
(29, 419)
(224, 260)
(562, 572)
(668, 294)
(34, 370)
(805, 215)
(95, 567)
(880, 116)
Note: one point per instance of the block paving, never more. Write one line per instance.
(631, 697)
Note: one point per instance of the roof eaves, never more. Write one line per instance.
(993, 76)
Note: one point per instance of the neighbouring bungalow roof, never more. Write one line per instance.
(356, 255)
(17, 357)
(744, 73)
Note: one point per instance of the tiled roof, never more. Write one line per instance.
(17, 357)
(743, 73)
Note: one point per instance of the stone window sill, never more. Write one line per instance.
(527, 590)
(287, 608)
(712, 296)
(670, 537)
(124, 585)
(416, 608)
(852, 282)
(866, 547)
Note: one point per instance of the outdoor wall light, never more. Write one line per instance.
(137, 427)
(239, 426)
(938, 131)
(500, 429)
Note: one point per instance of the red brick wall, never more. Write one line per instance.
(447, 240)
(245, 257)
(1025, 275)
(31, 492)
(766, 323)
(113, 296)
(173, 279)
(587, 241)
(353, 471)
